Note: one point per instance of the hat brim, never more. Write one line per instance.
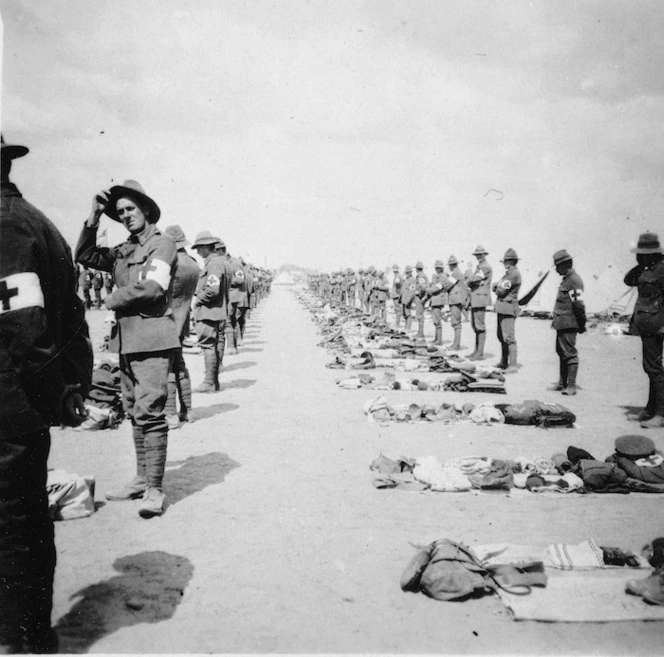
(645, 251)
(120, 191)
(12, 151)
(480, 253)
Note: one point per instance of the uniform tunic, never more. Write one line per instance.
(507, 304)
(480, 295)
(569, 318)
(457, 296)
(440, 284)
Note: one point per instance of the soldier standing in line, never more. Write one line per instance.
(457, 298)
(368, 289)
(648, 278)
(184, 286)
(108, 283)
(352, 287)
(480, 297)
(225, 329)
(381, 292)
(145, 333)
(97, 286)
(243, 303)
(86, 285)
(569, 318)
(408, 290)
(508, 309)
(422, 283)
(437, 292)
(395, 294)
(209, 308)
(236, 299)
(46, 361)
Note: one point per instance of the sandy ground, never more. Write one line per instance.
(275, 540)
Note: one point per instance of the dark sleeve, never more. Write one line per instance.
(91, 255)
(632, 276)
(214, 282)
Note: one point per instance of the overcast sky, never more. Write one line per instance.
(350, 133)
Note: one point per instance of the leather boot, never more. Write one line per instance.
(156, 443)
(481, 341)
(221, 347)
(511, 359)
(438, 340)
(210, 356)
(420, 328)
(136, 487)
(651, 589)
(475, 351)
(571, 388)
(502, 365)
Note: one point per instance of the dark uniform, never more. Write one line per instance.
(45, 354)
(145, 335)
(648, 322)
(569, 318)
(508, 309)
(480, 297)
(238, 300)
(185, 281)
(457, 297)
(437, 292)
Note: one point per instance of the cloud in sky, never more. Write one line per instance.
(350, 133)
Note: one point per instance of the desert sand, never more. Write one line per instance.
(275, 540)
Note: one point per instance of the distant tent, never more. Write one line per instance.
(284, 279)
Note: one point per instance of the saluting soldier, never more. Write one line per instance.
(480, 297)
(569, 318)
(408, 291)
(395, 294)
(437, 292)
(209, 308)
(507, 309)
(422, 283)
(457, 297)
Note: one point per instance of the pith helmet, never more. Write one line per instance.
(510, 254)
(439, 264)
(395, 267)
(648, 243)
(408, 269)
(561, 256)
(419, 265)
(204, 238)
(480, 250)
(134, 190)
(452, 260)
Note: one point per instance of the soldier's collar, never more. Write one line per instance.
(144, 235)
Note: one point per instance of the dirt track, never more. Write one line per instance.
(275, 539)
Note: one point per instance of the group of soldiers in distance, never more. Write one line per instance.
(89, 282)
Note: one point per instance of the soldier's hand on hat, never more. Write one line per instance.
(74, 412)
(99, 204)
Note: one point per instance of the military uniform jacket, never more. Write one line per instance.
(397, 284)
(507, 293)
(569, 309)
(44, 344)
(408, 291)
(458, 293)
(185, 282)
(238, 291)
(143, 269)
(649, 307)
(421, 284)
(249, 277)
(381, 289)
(480, 285)
(209, 300)
(440, 284)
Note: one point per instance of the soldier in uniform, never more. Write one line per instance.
(236, 300)
(224, 324)
(437, 292)
(569, 318)
(97, 286)
(422, 284)
(457, 297)
(381, 292)
(648, 322)
(46, 364)
(145, 333)
(184, 287)
(507, 309)
(352, 287)
(480, 297)
(245, 307)
(408, 290)
(209, 308)
(395, 294)
(86, 285)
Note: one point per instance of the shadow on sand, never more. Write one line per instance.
(203, 412)
(148, 589)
